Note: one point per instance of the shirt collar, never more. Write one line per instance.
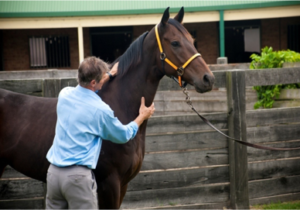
(86, 91)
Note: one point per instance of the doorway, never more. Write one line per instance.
(237, 36)
(108, 43)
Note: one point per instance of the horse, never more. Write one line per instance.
(27, 126)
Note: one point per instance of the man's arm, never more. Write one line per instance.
(112, 129)
(113, 72)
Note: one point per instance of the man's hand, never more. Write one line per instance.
(114, 69)
(145, 112)
(105, 77)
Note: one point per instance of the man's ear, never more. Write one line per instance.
(93, 83)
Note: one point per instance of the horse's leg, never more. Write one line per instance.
(123, 192)
(109, 193)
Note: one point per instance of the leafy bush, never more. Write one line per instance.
(271, 59)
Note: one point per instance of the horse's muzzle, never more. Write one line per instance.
(206, 84)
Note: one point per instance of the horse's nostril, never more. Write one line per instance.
(206, 79)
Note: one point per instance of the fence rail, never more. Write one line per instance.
(186, 162)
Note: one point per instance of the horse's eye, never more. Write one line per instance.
(175, 44)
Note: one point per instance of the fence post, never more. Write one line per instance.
(51, 87)
(68, 82)
(238, 161)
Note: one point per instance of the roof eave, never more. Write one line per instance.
(144, 11)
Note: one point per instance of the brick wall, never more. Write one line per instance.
(274, 32)
(87, 42)
(207, 40)
(16, 42)
(16, 46)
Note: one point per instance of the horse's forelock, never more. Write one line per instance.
(132, 56)
(181, 28)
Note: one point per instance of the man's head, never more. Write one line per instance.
(90, 71)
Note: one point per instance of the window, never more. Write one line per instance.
(37, 52)
(49, 51)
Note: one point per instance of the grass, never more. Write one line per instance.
(279, 205)
(172, 204)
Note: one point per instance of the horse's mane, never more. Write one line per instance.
(132, 56)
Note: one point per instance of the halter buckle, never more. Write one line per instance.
(180, 71)
(163, 56)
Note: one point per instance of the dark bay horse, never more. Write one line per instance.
(27, 123)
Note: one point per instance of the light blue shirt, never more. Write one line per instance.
(83, 120)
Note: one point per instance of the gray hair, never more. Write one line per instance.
(91, 68)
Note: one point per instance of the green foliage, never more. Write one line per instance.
(271, 59)
(279, 205)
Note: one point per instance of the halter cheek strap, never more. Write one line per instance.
(163, 57)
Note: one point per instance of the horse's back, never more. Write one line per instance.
(26, 132)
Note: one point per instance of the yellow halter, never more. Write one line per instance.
(163, 57)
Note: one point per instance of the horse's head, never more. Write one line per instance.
(181, 57)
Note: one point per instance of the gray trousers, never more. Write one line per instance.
(72, 187)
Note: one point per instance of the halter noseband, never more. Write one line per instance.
(163, 57)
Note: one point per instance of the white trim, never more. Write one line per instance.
(262, 13)
(149, 19)
(98, 21)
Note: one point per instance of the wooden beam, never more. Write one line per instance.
(27, 203)
(215, 193)
(261, 77)
(37, 74)
(80, 44)
(51, 88)
(238, 163)
(274, 186)
(28, 87)
(167, 160)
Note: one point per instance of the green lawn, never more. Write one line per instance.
(279, 205)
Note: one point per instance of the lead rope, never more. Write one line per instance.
(189, 102)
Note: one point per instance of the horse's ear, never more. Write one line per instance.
(165, 17)
(179, 16)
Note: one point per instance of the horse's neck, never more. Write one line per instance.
(124, 95)
(141, 83)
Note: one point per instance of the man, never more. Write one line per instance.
(83, 120)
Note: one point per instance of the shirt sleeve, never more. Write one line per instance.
(113, 130)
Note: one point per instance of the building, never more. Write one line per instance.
(59, 34)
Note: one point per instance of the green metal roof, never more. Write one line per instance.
(114, 7)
